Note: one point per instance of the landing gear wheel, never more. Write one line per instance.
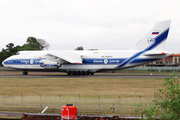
(74, 73)
(92, 73)
(79, 73)
(82, 73)
(25, 73)
(68, 73)
(86, 73)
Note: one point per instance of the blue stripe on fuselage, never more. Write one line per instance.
(102, 61)
(85, 61)
(22, 61)
(130, 59)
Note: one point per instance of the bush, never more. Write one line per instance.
(167, 105)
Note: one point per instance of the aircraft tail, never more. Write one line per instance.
(155, 39)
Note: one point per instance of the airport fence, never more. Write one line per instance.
(172, 69)
(85, 105)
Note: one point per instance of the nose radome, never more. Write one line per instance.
(8, 61)
(3, 63)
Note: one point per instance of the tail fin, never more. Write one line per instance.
(155, 39)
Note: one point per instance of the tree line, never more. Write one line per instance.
(32, 43)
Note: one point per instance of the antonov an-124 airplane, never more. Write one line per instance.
(150, 48)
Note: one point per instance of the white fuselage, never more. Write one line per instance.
(92, 61)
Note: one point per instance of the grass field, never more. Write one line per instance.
(88, 87)
(108, 89)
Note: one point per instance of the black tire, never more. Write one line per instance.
(86, 73)
(82, 73)
(92, 73)
(78, 73)
(69, 73)
(25, 73)
(74, 73)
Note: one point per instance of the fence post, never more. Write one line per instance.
(59, 103)
(161, 103)
(140, 102)
(3, 100)
(119, 103)
(79, 103)
(40, 103)
(21, 102)
(99, 104)
(113, 109)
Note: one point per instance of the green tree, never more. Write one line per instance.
(31, 44)
(10, 47)
(79, 48)
(168, 102)
(9, 51)
(44, 43)
(3, 55)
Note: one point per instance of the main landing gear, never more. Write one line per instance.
(25, 73)
(79, 73)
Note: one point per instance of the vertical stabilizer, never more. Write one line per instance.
(155, 39)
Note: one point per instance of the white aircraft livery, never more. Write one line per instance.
(150, 48)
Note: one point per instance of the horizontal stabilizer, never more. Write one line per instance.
(150, 53)
(157, 54)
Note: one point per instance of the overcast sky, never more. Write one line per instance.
(98, 24)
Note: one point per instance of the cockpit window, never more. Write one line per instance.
(17, 53)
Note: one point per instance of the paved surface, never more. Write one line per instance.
(85, 76)
(9, 114)
(18, 74)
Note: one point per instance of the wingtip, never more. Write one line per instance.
(77, 63)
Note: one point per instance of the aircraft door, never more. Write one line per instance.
(26, 65)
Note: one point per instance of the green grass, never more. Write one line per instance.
(87, 87)
(7, 117)
(108, 89)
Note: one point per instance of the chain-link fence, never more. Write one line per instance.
(85, 105)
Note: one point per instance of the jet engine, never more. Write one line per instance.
(51, 63)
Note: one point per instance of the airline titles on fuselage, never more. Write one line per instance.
(30, 61)
(105, 61)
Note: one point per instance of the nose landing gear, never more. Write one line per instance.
(25, 73)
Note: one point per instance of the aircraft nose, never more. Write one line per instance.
(3, 63)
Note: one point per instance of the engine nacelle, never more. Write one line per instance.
(47, 64)
(51, 63)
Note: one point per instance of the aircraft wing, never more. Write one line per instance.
(67, 56)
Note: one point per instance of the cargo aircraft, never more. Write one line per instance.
(150, 48)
